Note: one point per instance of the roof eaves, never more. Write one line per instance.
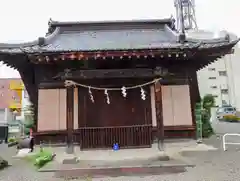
(20, 47)
(212, 44)
(17, 45)
(160, 46)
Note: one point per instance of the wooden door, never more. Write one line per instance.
(123, 116)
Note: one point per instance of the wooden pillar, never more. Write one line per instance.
(194, 85)
(159, 115)
(70, 118)
(194, 95)
(35, 117)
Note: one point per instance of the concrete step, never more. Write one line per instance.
(55, 166)
(154, 168)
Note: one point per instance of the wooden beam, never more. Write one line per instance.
(174, 81)
(51, 85)
(111, 73)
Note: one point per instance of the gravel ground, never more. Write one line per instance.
(210, 166)
(19, 170)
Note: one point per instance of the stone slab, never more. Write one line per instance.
(126, 157)
(113, 156)
(114, 172)
(53, 167)
(66, 158)
(150, 168)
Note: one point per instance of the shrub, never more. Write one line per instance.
(208, 102)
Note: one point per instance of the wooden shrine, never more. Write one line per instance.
(125, 82)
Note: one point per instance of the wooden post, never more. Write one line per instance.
(159, 115)
(70, 118)
(194, 95)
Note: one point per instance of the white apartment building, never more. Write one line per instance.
(221, 79)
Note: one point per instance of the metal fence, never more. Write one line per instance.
(229, 143)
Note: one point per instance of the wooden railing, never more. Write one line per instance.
(51, 137)
(100, 137)
(105, 137)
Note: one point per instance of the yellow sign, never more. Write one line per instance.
(15, 105)
(16, 85)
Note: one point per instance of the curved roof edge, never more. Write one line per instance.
(210, 37)
(40, 41)
(196, 37)
(56, 25)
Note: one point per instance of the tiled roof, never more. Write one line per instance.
(116, 35)
(111, 40)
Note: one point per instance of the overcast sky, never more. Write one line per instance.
(27, 20)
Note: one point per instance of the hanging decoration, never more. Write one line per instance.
(143, 95)
(123, 89)
(90, 94)
(107, 96)
(124, 93)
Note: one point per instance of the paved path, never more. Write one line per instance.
(225, 127)
(211, 166)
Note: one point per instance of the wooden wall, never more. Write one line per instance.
(121, 111)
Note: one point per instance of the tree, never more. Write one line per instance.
(208, 101)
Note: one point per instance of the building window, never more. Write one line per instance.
(213, 86)
(215, 96)
(224, 91)
(224, 102)
(211, 69)
(222, 73)
(212, 78)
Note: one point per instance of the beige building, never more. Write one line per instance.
(221, 79)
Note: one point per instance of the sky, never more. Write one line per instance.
(26, 20)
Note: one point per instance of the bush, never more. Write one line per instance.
(207, 129)
(208, 102)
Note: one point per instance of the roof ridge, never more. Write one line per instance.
(66, 23)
